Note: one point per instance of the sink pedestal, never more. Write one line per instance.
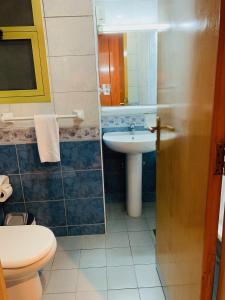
(134, 184)
(133, 144)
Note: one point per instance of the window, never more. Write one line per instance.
(23, 65)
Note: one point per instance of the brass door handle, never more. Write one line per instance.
(155, 128)
(158, 129)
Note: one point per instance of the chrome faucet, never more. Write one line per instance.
(132, 128)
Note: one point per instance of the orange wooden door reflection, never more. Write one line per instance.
(111, 68)
(104, 65)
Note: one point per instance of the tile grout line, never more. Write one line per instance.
(21, 180)
(134, 266)
(106, 267)
(72, 16)
(56, 171)
(64, 200)
(78, 275)
(58, 200)
(72, 55)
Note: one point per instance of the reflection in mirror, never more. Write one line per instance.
(127, 50)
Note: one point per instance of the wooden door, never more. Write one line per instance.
(3, 295)
(219, 135)
(187, 190)
(111, 68)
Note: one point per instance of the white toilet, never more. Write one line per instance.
(24, 250)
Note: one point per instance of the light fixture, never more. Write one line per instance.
(138, 27)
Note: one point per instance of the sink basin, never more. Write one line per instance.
(133, 144)
(130, 143)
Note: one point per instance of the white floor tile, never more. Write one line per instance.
(66, 260)
(116, 226)
(120, 206)
(129, 241)
(117, 211)
(65, 296)
(97, 295)
(69, 243)
(92, 279)
(62, 281)
(147, 276)
(153, 236)
(119, 257)
(140, 238)
(143, 255)
(127, 217)
(121, 277)
(93, 258)
(93, 242)
(150, 205)
(119, 239)
(107, 208)
(151, 222)
(137, 225)
(127, 294)
(152, 293)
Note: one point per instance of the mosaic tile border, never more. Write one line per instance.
(122, 120)
(27, 135)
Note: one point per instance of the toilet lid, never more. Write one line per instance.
(21, 246)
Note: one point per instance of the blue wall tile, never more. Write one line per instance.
(82, 184)
(38, 188)
(149, 181)
(86, 229)
(149, 161)
(1, 215)
(50, 213)
(42, 186)
(85, 211)
(13, 207)
(80, 155)
(115, 182)
(114, 164)
(30, 162)
(115, 197)
(149, 196)
(59, 231)
(8, 160)
(17, 195)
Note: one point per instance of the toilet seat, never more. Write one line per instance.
(22, 246)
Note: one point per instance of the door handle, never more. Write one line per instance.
(168, 127)
(158, 129)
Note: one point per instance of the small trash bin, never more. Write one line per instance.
(15, 219)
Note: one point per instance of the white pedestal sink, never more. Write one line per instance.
(133, 144)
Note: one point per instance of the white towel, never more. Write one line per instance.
(47, 133)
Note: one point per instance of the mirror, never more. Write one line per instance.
(127, 51)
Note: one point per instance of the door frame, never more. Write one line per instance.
(214, 181)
